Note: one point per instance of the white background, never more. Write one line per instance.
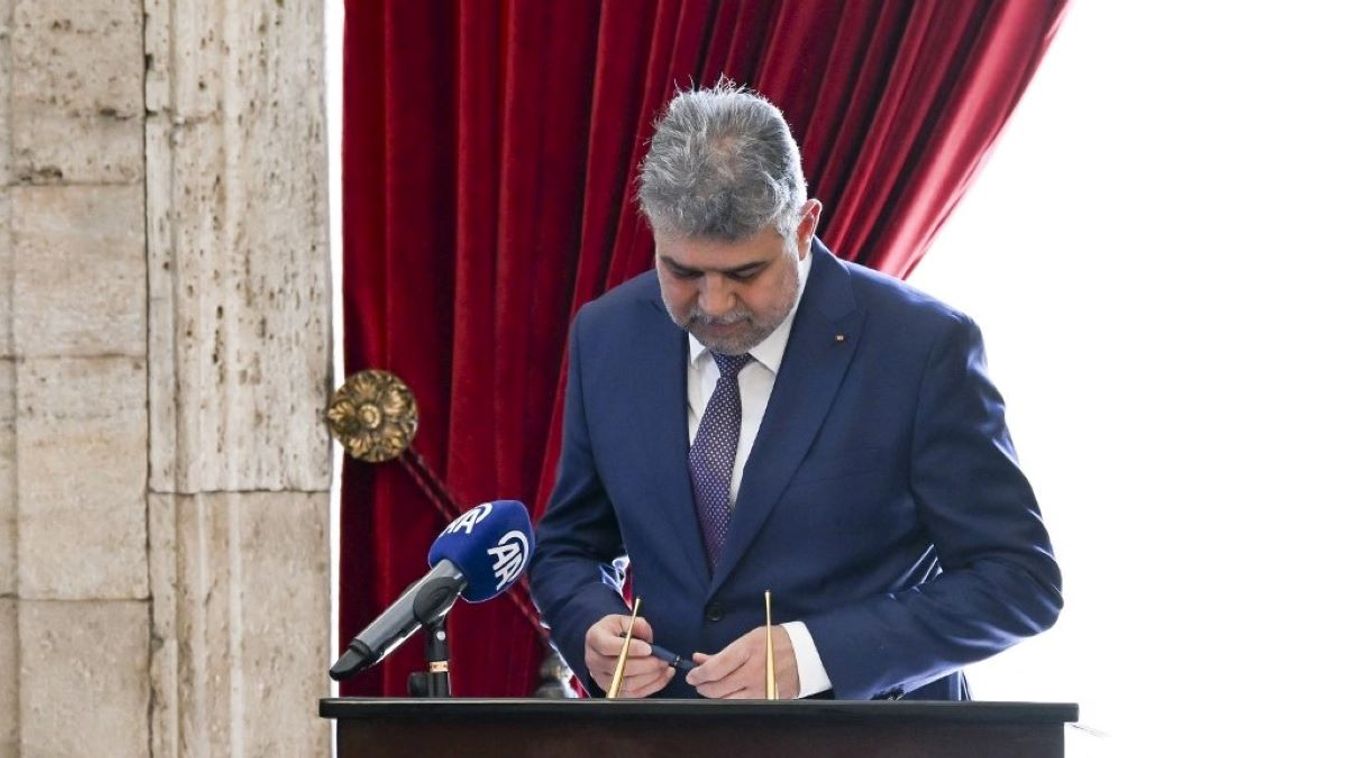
(1155, 253)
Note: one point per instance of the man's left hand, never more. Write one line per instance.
(739, 671)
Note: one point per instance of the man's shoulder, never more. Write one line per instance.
(623, 314)
(892, 300)
(641, 291)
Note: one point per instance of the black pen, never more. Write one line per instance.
(673, 659)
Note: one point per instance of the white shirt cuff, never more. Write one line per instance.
(813, 679)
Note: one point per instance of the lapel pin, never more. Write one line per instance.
(841, 338)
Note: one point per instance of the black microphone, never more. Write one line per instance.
(478, 556)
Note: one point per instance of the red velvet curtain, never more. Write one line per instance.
(489, 155)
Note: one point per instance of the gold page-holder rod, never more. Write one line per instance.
(616, 685)
(771, 653)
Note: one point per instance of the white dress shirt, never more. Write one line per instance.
(755, 388)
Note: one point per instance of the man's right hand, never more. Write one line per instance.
(645, 674)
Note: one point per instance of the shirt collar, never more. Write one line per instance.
(771, 350)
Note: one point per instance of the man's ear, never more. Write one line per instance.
(804, 233)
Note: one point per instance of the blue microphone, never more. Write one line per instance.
(478, 556)
(491, 544)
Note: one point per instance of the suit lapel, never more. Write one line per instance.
(661, 421)
(811, 372)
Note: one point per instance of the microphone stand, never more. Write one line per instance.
(434, 681)
(429, 608)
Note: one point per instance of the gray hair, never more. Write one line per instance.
(722, 165)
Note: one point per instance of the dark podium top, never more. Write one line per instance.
(695, 728)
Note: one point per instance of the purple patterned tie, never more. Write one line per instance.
(711, 458)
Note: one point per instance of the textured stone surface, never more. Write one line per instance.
(79, 270)
(186, 53)
(80, 436)
(240, 619)
(9, 677)
(6, 255)
(76, 92)
(85, 672)
(164, 299)
(165, 587)
(8, 495)
(6, 13)
(238, 249)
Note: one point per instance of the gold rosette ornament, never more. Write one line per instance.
(373, 416)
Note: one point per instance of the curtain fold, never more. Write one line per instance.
(489, 160)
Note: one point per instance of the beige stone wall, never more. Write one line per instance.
(164, 359)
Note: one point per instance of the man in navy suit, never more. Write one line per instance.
(756, 414)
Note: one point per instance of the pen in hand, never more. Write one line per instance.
(673, 659)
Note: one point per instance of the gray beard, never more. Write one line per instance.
(732, 345)
(739, 344)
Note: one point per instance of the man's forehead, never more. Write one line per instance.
(713, 254)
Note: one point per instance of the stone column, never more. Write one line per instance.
(76, 619)
(239, 372)
(164, 359)
(9, 584)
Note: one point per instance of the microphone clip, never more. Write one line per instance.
(429, 608)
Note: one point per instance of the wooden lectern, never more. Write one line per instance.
(695, 728)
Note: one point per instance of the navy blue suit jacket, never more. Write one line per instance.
(881, 503)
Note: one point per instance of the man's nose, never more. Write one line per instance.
(716, 297)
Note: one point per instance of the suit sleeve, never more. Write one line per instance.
(999, 581)
(572, 577)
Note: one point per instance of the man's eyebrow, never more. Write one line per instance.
(744, 269)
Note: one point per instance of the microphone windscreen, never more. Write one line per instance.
(491, 544)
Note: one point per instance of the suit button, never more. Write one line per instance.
(715, 612)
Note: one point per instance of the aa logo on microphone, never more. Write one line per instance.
(468, 520)
(510, 554)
